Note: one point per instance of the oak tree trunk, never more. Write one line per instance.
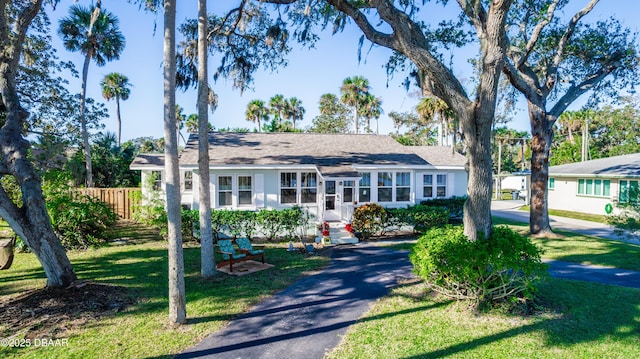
(542, 135)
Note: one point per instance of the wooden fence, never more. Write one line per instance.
(121, 200)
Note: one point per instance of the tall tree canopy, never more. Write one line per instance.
(30, 220)
(333, 118)
(401, 27)
(553, 61)
(95, 34)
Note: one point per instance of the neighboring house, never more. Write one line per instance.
(328, 174)
(590, 186)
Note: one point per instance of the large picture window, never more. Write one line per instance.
(594, 187)
(385, 189)
(364, 191)
(225, 191)
(298, 187)
(403, 186)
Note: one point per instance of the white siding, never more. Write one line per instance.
(565, 197)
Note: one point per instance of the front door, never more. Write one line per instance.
(331, 201)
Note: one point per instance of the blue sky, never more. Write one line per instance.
(309, 74)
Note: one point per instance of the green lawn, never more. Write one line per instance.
(572, 247)
(575, 215)
(577, 320)
(574, 320)
(142, 330)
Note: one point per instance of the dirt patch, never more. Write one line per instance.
(50, 312)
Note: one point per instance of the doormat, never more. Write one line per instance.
(245, 267)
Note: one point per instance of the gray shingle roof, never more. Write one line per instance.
(333, 154)
(618, 166)
(147, 160)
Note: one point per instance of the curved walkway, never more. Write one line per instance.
(310, 317)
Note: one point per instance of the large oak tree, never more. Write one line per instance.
(552, 63)
(30, 220)
(399, 26)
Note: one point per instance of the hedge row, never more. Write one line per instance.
(373, 219)
(269, 223)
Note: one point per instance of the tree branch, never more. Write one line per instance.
(531, 43)
(578, 90)
(373, 35)
(552, 70)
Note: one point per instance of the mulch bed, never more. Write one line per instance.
(50, 312)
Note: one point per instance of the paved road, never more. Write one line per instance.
(312, 315)
(593, 273)
(509, 210)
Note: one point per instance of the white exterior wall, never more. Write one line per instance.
(266, 188)
(565, 196)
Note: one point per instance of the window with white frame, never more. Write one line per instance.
(427, 186)
(364, 192)
(298, 187)
(403, 186)
(245, 191)
(309, 187)
(288, 187)
(594, 187)
(225, 191)
(348, 191)
(188, 181)
(385, 187)
(434, 185)
(628, 191)
(441, 185)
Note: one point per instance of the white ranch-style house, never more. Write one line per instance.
(328, 174)
(594, 186)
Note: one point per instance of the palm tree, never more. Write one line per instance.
(257, 111)
(371, 108)
(277, 107)
(353, 91)
(115, 85)
(435, 110)
(295, 111)
(191, 123)
(96, 35)
(177, 298)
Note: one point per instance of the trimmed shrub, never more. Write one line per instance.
(504, 268)
(454, 204)
(426, 217)
(397, 217)
(368, 219)
(270, 221)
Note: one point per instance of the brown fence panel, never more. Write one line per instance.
(121, 200)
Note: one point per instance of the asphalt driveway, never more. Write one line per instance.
(310, 317)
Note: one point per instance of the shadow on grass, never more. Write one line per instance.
(582, 313)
